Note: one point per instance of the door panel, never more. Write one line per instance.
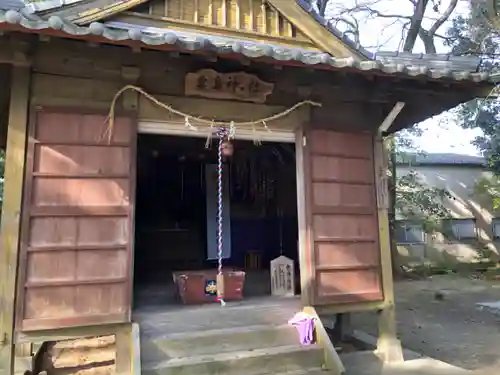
(76, 252)
(342, 217)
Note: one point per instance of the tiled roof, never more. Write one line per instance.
(440, 159)
(431, 66)
(11, 4)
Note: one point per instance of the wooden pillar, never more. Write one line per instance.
(11, 210)
(124, 348)
(388, 345)
(304, 232)
(124, 335)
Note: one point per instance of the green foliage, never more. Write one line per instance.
(418, 202)
(473, 34)
(415, 200)
(490, 189)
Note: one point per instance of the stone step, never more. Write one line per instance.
(161, 348)
(22, 364)
(280, 359)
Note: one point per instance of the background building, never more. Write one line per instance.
(475, 225)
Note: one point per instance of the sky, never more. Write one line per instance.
(438, 135)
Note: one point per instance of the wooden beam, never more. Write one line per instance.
(388, 347)
(320, 36)
(68, 333)
(88, 16)
(386, 124)
(11, 210)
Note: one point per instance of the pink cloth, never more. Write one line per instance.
(305, 326)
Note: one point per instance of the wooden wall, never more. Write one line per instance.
(341, 208)
(76, 248)
(68, 73)
(76, 76)
(248, 15)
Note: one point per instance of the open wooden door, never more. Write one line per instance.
(77, 228)
(341, 214)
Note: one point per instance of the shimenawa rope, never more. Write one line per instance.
(188, 118)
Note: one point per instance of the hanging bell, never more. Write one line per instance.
(227, 148)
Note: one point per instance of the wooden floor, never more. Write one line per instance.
(175, 318)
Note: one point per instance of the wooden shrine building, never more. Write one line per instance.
(108, 114)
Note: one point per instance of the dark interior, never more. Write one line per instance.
(171, 218)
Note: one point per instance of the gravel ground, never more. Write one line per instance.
(452, 329)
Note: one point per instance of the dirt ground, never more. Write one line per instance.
(452, 328)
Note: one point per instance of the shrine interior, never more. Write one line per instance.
(176, 214)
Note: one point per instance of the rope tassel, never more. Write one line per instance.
(223, 134)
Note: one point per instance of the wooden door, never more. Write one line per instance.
(77, 242)
(341, 214)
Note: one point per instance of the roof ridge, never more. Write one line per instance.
(114, 31)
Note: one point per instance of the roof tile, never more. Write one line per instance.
(433, 66)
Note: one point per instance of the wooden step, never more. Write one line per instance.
(183, 319)
(166, 347)
(276, 360)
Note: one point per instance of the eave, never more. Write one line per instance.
(438, 89)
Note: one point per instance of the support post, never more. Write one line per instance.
(124, 350)
(124, 336)
(11, 211)
(304, 233)
(388, 345)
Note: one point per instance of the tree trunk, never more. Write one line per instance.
(428, 41)
(321, 4)
(415, 25)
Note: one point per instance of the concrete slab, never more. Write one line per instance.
(493, 306)
(423, 366)
(368, 363)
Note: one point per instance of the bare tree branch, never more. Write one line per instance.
(404, 29)
(412, 29)
(444, 17)
(374, 12)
